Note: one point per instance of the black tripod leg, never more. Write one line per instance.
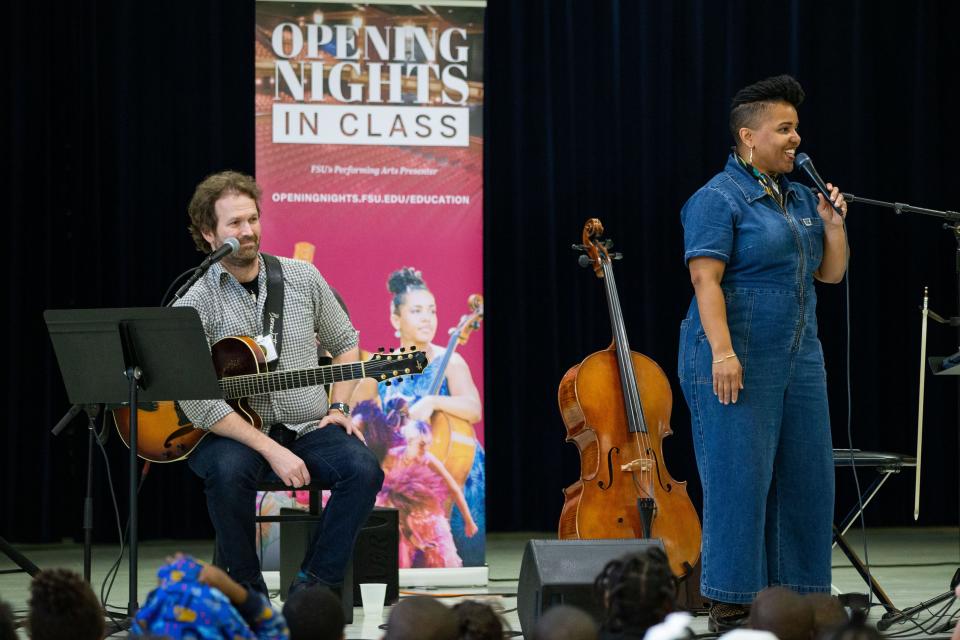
(862, 570)
(18, 558)
(896, 616)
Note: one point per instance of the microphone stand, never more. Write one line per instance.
(6, 548)
(953, 225)
(197, 273)
(92, 410)
(216, 256)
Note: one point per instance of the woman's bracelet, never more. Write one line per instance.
(718, 361)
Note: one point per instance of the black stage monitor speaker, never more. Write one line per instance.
(562, 572)
(375, 555)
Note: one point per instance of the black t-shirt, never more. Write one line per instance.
(253, 287)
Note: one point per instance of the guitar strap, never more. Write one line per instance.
(273, 308)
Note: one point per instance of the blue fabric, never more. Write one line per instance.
(182, 607)
(765, 462)
(732, 219)
(231, 470)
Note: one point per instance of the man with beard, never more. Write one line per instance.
(306, 436)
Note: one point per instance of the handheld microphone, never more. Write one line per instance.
(229, 246)
(806, 165)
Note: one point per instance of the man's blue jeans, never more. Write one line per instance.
(231, 470)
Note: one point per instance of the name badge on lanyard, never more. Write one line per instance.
(269, 348)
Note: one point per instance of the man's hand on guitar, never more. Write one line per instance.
(288, 467)
(335, 416)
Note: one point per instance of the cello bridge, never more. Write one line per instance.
(640, 464)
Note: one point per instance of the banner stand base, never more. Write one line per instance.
(457, 577)
(453, 577)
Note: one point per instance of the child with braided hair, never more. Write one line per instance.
(637, 592)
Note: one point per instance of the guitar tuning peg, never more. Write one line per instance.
(401, 349)
(616, 256)
(392, 349)
(380, 349)
(608, 243)
(387, 383)
(399, 380)
(578, 247)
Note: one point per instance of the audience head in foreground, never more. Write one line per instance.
(478, 621)
(637, 591)
(63, 606)
(828, 613)
(421, 618)
(8, 629)
(784, 613)
(314, 613)
(564, 622)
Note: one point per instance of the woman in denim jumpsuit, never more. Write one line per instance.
(750, 362)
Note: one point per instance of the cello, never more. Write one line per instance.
(454, 440)
(616, 407)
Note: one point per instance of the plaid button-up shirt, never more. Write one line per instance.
(310, 309)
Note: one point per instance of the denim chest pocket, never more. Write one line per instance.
(812, 230)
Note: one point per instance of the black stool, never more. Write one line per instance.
(886, 464)
(375, 555)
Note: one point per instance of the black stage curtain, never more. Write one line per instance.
(593, 108)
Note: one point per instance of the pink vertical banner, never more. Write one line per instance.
(369, 150)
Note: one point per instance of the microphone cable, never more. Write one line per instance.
(853, 464)
(806, 164)
(166, 294)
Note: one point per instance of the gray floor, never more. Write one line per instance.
(911, 565)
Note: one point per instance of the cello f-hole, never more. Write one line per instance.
(610, 453)
(666, 487)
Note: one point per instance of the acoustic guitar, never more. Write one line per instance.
(165, 433)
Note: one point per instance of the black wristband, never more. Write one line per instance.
(342, 407)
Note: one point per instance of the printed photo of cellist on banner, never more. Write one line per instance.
(369, 150)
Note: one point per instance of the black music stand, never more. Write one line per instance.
(120, 356)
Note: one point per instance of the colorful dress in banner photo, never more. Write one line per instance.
(470, 549)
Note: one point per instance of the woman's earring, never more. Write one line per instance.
(750, 159)
(397, 333)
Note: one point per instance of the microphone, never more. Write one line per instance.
(229, 246)
(806, 165)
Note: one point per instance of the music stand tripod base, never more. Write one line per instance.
(18, 558)
(133, 355)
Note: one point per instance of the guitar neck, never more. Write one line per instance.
(256, 384)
